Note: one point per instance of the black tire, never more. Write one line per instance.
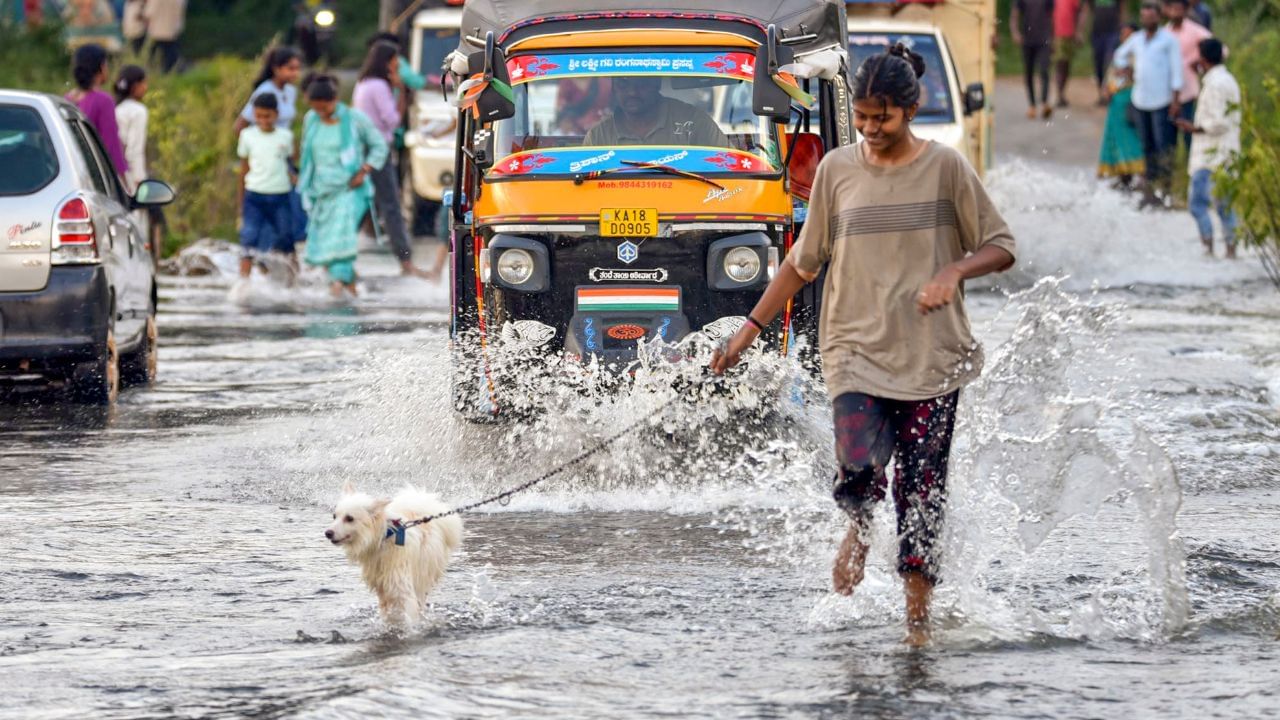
(98, 382)
(139, 367)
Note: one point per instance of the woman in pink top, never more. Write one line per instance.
(1189, 34)
(375, 97)
(89, 68)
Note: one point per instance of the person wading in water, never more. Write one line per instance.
(900, 223)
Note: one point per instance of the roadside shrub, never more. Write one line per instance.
(193, 148)
(1253, 179)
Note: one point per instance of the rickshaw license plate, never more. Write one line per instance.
(629, 222)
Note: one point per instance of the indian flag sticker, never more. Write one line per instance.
(621, 299)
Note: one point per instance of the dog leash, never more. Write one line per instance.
(397, 528)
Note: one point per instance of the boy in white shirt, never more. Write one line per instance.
(265, 182)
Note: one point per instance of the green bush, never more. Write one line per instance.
(1253, 179)
(193, 146)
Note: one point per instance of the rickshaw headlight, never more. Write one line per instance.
(742, 264)
(515, 266)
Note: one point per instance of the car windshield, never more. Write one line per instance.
(580, 112)
(25, 151)
(936, 104)
(436, 43)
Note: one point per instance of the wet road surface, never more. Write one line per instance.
(1114, 544)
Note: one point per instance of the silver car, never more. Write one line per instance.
(77, 281)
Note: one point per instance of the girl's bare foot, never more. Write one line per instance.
(351, 288)
(919, 591)
(336, 289)
(851, 562)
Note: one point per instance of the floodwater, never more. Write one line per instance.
(1114, 544)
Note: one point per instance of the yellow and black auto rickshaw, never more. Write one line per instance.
(628, 175)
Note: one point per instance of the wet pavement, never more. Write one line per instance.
(1113, 539)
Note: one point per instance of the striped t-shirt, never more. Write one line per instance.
(884, 233)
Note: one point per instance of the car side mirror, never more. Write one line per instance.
(153, 193)
(491, 62)
(804, 152)
(975, 98)
(767, 98)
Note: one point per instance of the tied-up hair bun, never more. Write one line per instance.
(916, 59)
(893, 76)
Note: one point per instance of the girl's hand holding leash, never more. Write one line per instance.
(730, 353)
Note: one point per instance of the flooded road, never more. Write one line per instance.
(1114, 536)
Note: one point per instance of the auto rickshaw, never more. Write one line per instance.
(627, 176)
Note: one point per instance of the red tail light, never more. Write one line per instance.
(74, 240)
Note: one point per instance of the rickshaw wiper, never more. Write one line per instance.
(645, 165)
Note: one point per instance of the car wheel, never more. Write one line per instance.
(98, 382)
(139, 367)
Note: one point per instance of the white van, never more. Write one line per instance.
(946, 101)
(431, 136)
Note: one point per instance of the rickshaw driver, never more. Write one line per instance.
(642, 115)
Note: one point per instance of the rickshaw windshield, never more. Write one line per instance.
(579, 112)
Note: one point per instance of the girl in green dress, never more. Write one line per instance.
(1121, 153)
(340, 147)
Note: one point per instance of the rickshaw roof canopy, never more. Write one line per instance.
(511, 20)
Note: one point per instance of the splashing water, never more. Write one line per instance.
(1067, 222)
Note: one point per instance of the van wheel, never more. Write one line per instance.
(98, 382)
(139, 367)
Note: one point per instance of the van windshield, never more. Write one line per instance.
(435, 43)
(26, 152)
(578, 112)
(936, 104)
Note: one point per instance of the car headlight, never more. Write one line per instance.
(515, 266)
(742, 264)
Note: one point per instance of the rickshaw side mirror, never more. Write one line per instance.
(492, 105)
(767, 99)
(805, 151)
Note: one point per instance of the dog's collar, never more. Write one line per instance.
(395, 529)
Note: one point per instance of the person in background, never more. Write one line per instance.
(341, 147)
(131, 117)
(410, 78)
(899, 223)
(166, 19)
(265, 151)
(1067, 38)
(1198, 10)
(89, 70)
(1152, 59)
(1189, 34)
(92, 22)
(33, 12)
(1104, 35)
(1031, 25)
(375, 97)
(133, 25)
(1215, 139)
(411, 81)
(1120, 155)
(279, 76)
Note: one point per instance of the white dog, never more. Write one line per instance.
(400, 575)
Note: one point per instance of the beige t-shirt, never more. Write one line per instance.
(884, 233)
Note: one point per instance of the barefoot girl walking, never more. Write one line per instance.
(900, 223)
